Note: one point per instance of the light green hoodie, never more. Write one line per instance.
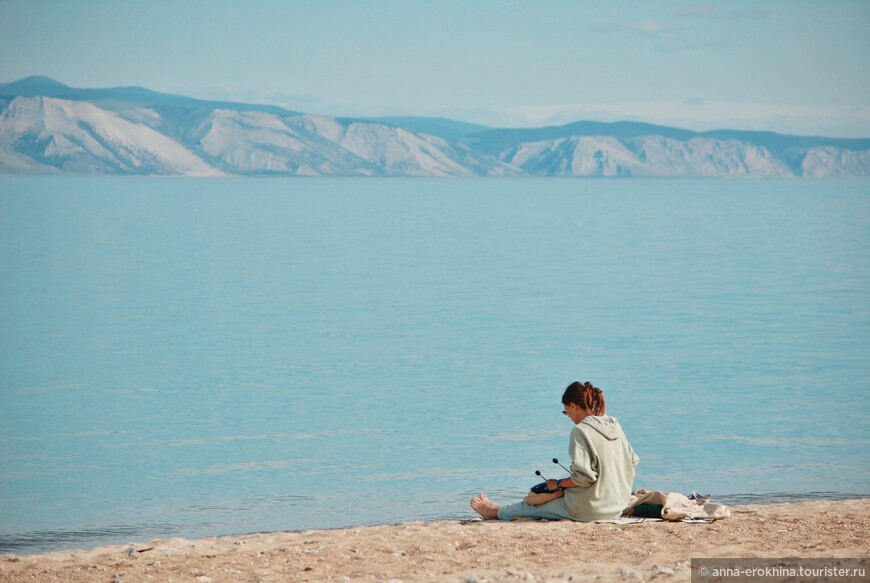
(602, 466)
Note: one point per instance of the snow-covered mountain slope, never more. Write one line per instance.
(11, 162)
(400, 151)
(829, 161)
(257, 143)
(637, 149)
(645, 156)
(75, 136)
(47, 127)
(38, 134)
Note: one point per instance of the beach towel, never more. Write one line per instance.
(676, 506)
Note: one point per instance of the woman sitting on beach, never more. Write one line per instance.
(602, 468)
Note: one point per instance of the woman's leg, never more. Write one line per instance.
(554, 510)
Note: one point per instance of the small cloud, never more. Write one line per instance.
(695, 101)
(649, 27)
(669, 35)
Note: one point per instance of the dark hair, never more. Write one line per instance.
(586, 396)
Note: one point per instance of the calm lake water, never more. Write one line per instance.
(200, 357)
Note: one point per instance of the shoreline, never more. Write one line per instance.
(466, 550)
(83, 545)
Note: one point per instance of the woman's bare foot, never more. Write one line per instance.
(487, 509)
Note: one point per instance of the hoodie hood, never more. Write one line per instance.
(607, 426)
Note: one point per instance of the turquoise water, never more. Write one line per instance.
(199, 357)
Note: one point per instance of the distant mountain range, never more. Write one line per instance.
(48, 127)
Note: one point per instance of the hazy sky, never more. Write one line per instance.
(790, 66)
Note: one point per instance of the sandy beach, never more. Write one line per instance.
(470, 551)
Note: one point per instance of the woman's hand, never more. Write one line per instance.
(555, 485)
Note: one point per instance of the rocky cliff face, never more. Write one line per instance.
(40, 134)
(635, 149)
(37, 133)
(47, 127)
(826, 162)
(644, 156)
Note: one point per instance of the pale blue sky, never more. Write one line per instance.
(790, 66)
